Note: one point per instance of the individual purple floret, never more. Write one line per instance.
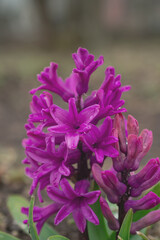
(50, 81)
(146, 221)
(41, 214)
(146, 178)
(148, 201)
(54, 163)
(100, 140)
(75, 201)
(85, 67)
(110, 184)
(72, 123)
(40, 108)
(112, 221)
(35, 138)
(67, 201)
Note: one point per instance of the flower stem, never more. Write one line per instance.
(83, 171)
(124, 198)
(78, 103)
(83, 236)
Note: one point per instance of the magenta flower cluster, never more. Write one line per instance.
(65, 149)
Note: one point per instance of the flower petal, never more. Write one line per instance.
(132, 126)
(97, 174)
(112, 182)
(112, 221)
(89, 214)
(79, 220)
(55, 177)
(110, 151)
(56, 195)
(91, 137)
(146, 221)
(119, 125)
(60, 115)
(148, 201)
(72, 139)
(73, 114)
(63, 213)
(88, 114)
(38, 155)
(64, 170)
(82, 186)
(67, 189)
(106, 127)
(92, 197)
(63, 128)
(99, 155)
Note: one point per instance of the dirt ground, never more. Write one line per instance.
(139, 65)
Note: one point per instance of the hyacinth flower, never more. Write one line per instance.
(109, 182)
(40, 108)
(67, 201)
(146, 202)
(41, 214)
(52, 82)
(100, 140)
(112, 221)
(62, 145)
(55, 163)
(35, 137)
(72, 123)
(147, 220)
(122, 184)
(75, 202)
(85, 66)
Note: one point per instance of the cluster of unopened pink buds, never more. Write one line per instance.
(67, 148)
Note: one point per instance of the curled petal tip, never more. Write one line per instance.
(33, 91)
(132, 125)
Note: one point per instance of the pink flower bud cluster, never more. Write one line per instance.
(122, 184)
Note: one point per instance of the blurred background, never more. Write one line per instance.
(35, 32)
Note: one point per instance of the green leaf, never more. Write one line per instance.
(47, 231)
(5, 236)
(113, 235)
(32, 228)
(144, 237)
(156, 189)
(100, 231)
(126, 225)
(15, 203)
(57, 237)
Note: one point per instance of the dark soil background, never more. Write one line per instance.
(139, 65)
